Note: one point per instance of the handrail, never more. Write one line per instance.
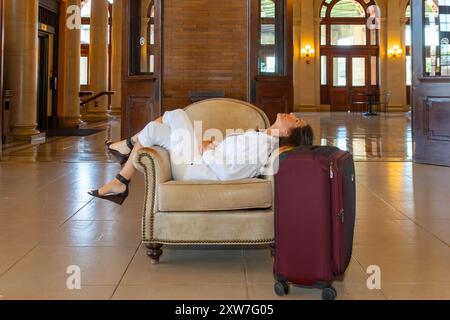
(84, 93)
(107, 93)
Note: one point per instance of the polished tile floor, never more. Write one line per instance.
(48, 223)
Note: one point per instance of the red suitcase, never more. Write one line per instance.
(315, 200)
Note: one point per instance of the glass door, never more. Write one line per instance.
(431, 81)
(349, 51)
(349, 77)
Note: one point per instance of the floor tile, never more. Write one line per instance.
(48, 266)
(192, 291)
(422, 262)
(30, 233)
(101, 210)
(55, 293)
(10, 255)
(187, 266)
(75, 233)
(416, 291)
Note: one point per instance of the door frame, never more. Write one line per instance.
(1, 76)
(43, 82)
(265, 88)
(141, 92)
(350, 52)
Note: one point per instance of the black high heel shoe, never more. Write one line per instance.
(122, 158)
(118, 198)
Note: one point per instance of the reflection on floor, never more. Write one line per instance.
(383, 138)
(48, 223)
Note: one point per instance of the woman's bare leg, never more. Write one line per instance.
(128, 170)
(122, 146)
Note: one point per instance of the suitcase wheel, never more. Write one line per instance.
(329, 293)
(281, 288)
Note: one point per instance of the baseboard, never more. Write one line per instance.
(398, 108)
(327, 108)
(305, 109)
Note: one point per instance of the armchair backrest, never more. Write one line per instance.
(226, 114)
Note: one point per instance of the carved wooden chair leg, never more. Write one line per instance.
(154, 252)
(272, 250)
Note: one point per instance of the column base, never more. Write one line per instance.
(115, 112)
(95, 116)
(24, 132)
(28, 133)
(71, 122)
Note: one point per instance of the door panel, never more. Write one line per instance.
(139, 109)
(268, 98)
(339, 79)
(430, 84)
(359, 66)
(349, 74)
(437, 119)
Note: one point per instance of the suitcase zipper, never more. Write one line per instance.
(331, 170)
(341, 215)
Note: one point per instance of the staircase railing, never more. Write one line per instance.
(95, 97)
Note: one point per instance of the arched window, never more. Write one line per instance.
(345, 22)
(143, 37)
(343, 9)
(349, 50)
(150, 65)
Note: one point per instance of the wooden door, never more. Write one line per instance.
(431, 82)
(1, 77)
(271, 63)
(141, 69)
(349, 74)
(339, 82)
(43, 81)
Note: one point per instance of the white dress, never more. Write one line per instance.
(238, 156)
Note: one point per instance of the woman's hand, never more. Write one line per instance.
(206, 146)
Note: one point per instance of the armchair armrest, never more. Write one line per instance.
(272, 166)
(155, 160)
(154, 163)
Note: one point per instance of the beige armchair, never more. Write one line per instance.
(206, 213)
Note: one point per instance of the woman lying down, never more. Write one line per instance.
(238, 156)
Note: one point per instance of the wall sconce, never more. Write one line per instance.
(395, 52)
(308, 53)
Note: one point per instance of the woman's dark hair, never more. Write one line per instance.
(301, 136)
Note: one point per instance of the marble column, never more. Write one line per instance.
(98, 60)
(116, 58)
(70, 109)
(395, 71)
(21, 64)
(304, 30)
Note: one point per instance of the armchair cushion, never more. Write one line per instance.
(189, 196)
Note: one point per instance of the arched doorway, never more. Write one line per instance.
(349, 51)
